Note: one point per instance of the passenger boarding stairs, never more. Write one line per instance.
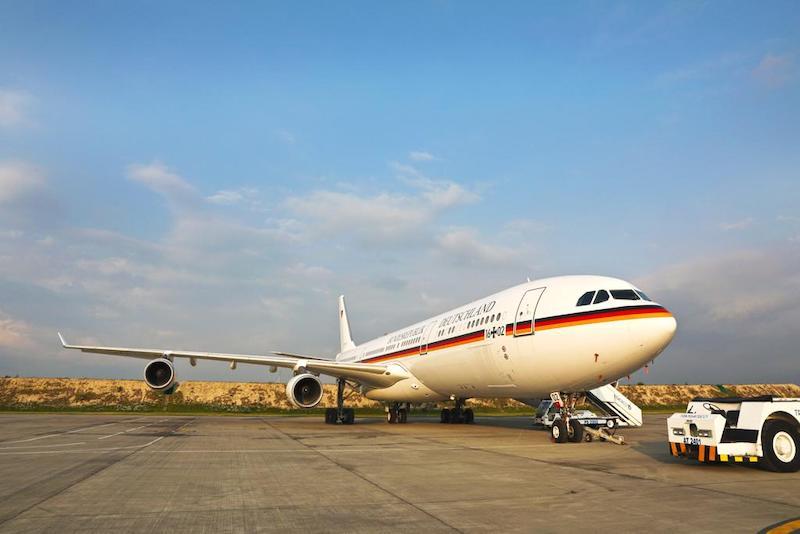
(610, 400)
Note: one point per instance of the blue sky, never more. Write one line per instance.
(204, 176)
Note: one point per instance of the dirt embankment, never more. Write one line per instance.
(123, 395)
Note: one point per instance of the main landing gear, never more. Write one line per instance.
(457, 415)
(340, 414)
(397, 413)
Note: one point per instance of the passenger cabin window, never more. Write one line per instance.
(643, 296)
(602, 296)
(585, 299)
(624, 294)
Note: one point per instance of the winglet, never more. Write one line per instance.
(63, 343)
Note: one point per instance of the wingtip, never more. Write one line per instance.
(61, 338)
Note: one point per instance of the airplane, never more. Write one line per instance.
(558, 336)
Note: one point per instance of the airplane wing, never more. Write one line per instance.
(378, 375)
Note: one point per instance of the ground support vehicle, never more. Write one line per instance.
(763, 430)
(619, 411)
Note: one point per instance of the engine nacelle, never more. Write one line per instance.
(159, 375)
(304, 391)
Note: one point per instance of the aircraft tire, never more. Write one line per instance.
(391, 416)
(558, 432)
(402, 416)
(445, 416)
(469, 416)
(575, 433)
(349, 416)
(330, 416)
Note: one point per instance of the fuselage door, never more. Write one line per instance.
(525, 317)
(426, 336)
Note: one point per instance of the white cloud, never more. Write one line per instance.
(382, 216)
(225, 197)
(14, 334)
(464, 245)
(738, 290)
(14, 107)
(19, 180)
(421, 156)
(160, 179)
(232, 197)
(440, 193)
(774, 70)
(747, 222)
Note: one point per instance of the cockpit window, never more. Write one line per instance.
(585, 299)
(602, 296)
(624, 294)
(644, 297)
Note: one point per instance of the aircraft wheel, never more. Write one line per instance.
(469, 416)
(558, 432)
(391, 416)
(349, 416)
(330, 416)
(402, 415)
(575, 431)
(781, 443)
(445, 416)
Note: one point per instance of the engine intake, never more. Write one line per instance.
(304, 390)
(159, 375)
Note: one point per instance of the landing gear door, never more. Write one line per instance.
(526, 312)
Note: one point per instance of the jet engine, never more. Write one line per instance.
(304, 390)
(159, 375)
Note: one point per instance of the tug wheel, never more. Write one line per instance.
(781, 443)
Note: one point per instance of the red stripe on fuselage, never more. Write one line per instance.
(524, 326)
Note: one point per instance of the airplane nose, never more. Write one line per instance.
(663, 332)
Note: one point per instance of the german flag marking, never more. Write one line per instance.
(525, 327)
(601, 316)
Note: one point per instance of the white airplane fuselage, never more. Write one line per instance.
(524, 342)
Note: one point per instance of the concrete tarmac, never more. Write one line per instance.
(155, 473)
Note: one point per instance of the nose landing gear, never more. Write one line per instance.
(567, 428)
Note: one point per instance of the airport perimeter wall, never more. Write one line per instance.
(133, 395)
